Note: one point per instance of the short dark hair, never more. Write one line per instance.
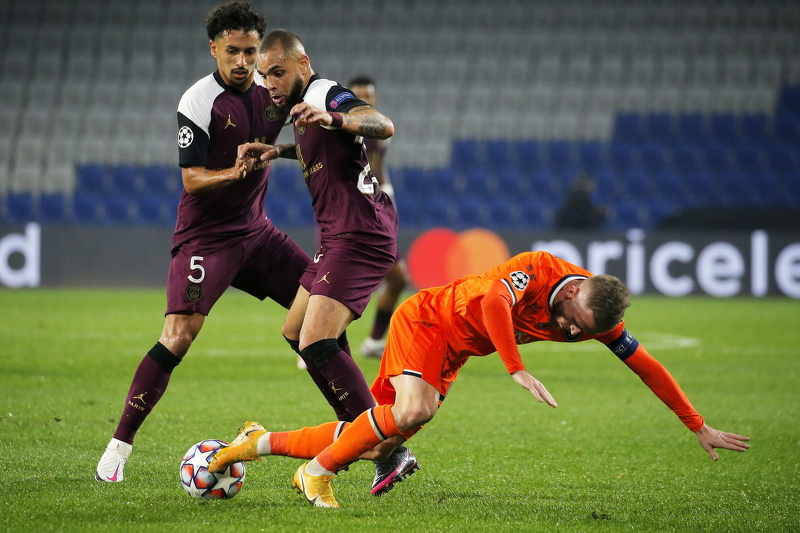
(235, 15)
(288, 41)
(361, 80)
(608, 299)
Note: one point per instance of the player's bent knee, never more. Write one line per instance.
(408, 418)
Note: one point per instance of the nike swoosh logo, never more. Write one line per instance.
(115, 474)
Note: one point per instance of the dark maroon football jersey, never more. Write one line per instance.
(344, 193)
(213, 120)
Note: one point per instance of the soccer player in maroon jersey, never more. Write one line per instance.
(397, 278)
(222, 237)
(357, 222)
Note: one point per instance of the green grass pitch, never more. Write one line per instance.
(611, 457)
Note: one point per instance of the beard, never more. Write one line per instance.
(556, 312)
(293, 98)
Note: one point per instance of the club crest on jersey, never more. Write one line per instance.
(339, 98)
(194, 292)
(301, 130)
(519, 279)
(271, 113)
(185, 136)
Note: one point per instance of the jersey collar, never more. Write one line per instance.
(560, 285)
(221, 82)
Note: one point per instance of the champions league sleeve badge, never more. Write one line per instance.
(519, 280)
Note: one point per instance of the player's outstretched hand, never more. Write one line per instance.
(261, 151)
(525, 380)
(710, 438)
(306, 115)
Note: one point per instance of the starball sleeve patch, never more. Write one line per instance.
(519, 280)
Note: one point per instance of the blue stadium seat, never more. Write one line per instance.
(511, 184)
(620, 155)
(717, 157)
(652, 157)
(659, 127)
(287, 182)
(724, 128)
(536, 214)
(685, 158)
(503, 214)
(119, 210)
(627, 214)
(281, 211)
(787, 130)
(542, 184)
(782, 159)
(755, 128)
(559, 154)
(658, 210)
(590, 155)
(442, 181)
(409, 212)
(413, 183)
(607, 182)
(155, 210)
(790, 189)
(157, 180)
(124, 180)
(628, 128)
(92, 179)
(52, 208)
(669, 184)
(86, 209)
(478, 183)
(691, 128)
(748, 159)
(466, 154)
(701, 188)
(440, 212)
(636, 184)
(498, 155)
(20, 207)
(527, 155)
(472, 213)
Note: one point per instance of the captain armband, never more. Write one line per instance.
(624, 345)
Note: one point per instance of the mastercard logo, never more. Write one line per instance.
(440, 255)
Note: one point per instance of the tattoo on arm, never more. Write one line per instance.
(367, 122)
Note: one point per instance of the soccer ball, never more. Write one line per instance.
(198, 482)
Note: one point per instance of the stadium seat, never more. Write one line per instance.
(119, 210)
(628, 128)
(590, 155)
(559, 154)
(52, 208)
(441, 181)
(477, 183)
(701, 188)
(281, 211)
(724, 128)
(465, 154)
(413, 183)
(755, 129)
(536, 214)
(504, 213)
(620, 156)
(659, 127)
(124, 180)
(155, 210)
(626, 215)
(440, 212)
(691, 128)
(408, 211)
(527, 155)
(499, 156)
(92, 179)
(156, 180)
(86, 209)
(20, 207)
(472, 213)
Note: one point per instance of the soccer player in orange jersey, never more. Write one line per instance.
(532, 297)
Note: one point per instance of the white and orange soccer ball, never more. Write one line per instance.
(198, 482)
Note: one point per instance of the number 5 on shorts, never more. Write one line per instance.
(194, 264)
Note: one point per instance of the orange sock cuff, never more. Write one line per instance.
(304, 443)
(372, 427)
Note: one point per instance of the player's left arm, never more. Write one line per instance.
(496, 310)
(666, 388)
(363, 120)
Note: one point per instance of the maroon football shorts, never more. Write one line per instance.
(265, 264)
(348, 268)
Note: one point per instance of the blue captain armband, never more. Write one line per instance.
(624, 345)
